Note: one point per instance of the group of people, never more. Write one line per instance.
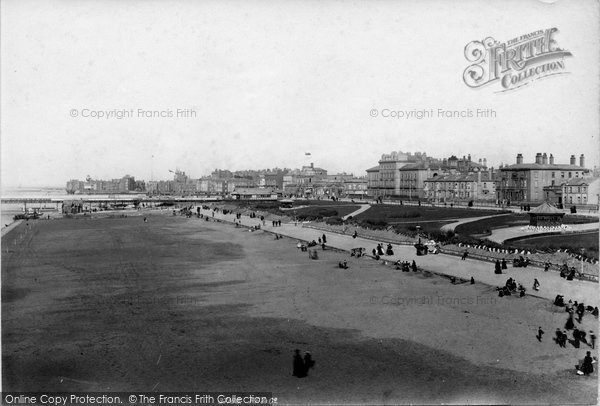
(276, 223)
(511, 287)
(406, 266)
(301, 366)
(499, 266)
(378, 251)
(579, 335)
(567, 273)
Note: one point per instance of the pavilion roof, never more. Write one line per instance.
(546, 208)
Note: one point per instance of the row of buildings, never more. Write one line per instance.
(449, 180)
(412, 176)
(126, 184)
(308, 181)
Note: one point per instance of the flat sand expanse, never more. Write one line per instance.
(183, 304)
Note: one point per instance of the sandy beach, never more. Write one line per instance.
(183, 304)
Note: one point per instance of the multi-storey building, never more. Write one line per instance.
(126, 184)
(404, 174)
(459, 187)
(575, 191)
(535, 182)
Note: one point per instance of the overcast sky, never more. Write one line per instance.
(272, 80)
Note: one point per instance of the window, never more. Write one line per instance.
(562, 174)
(553, 173)
(569, 174)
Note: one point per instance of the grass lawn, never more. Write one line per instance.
(319, 212)
(575, 242)
(399, 214)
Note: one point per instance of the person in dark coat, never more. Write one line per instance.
(539, 334)
(414, 266)
(324, 239)
(580, 311)
(299, 367)
(498, 268)
(308, 362)
(504, 264)
(587, 367)
(570, 323)
(558, 338)
(592, 339)
(559, 301)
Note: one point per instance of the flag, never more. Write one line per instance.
(307, 153)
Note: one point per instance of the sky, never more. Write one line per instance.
(261, 83)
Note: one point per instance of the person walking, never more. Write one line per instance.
(539, 334)
(298, 364)
(536, 284)
(570, 323)
(308, 362)
(587, 366)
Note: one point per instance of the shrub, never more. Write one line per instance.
(334, 221)
(410, 214)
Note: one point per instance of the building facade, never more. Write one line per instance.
(537, 181)
(459, 187)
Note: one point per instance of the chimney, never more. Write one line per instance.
(312, 165)
(572, 159)
(582, 161)
(479, 161)
(469, 157)
(485, 162)
(478, 176)
(538, 158)
(551, 160)
(519, 158)
(545, 159)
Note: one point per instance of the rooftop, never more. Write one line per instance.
(543, 167)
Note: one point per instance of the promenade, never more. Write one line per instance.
(483, 272)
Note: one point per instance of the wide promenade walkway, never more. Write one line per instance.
(483, 272)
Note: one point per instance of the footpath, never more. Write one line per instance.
(500, 235)
(551, 283)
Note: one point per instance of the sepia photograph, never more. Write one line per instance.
(299, 202)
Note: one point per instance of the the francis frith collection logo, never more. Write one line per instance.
(514, 63)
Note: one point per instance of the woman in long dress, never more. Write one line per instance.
(570, 324)
(587, 367)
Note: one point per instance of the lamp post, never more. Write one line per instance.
(582, 252)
